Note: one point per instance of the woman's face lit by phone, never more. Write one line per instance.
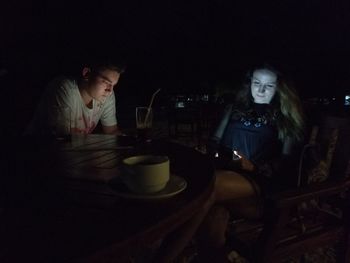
(263, 86)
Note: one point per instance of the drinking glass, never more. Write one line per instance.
(144, 119)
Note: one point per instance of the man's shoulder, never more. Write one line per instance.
(62, 86)
(63, 83)
(109, 102)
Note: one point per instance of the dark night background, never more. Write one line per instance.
(178, 46)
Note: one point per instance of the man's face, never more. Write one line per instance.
(102, 84)
(263, 86)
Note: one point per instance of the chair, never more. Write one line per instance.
(183, 124)
(314, 215)
(284, 235)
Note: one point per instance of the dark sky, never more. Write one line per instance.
(181, 45)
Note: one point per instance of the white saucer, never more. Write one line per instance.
(175, 185)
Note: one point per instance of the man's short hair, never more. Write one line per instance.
(99, 64)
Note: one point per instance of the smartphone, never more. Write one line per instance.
(235, 156)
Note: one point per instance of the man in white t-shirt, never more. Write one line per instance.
(71, 106)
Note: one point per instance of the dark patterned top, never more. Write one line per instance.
(253, 133)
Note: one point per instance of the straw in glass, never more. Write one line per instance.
(150, 106)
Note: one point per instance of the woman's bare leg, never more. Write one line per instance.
(231, 185)
(175, 242)
(234, 193)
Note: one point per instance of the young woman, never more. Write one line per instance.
(253, 149)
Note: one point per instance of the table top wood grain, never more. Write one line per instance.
(67, 206)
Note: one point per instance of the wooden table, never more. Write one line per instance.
(63, 203)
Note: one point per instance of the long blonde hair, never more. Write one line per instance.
(286, 104)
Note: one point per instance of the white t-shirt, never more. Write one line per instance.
(62, 110)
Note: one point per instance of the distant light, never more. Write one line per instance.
(347, 100)
(180, 104)
(205, 97)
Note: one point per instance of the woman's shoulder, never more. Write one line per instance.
(228, 107)
(242, 111)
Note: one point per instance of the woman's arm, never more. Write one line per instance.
(219, 132)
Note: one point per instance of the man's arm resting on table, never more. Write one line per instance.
(111, 130)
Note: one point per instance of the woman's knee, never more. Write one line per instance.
(245, 207)
(218, 213)
(230, 185)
